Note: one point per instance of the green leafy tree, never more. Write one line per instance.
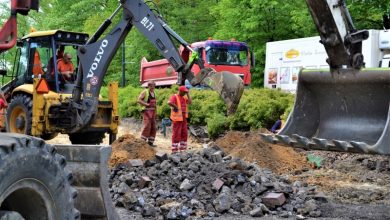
(261, 21)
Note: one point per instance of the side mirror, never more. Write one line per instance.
(19, 43)
(253, 62)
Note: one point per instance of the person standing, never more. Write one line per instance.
(179, 113)
(3, 107)
(147, 99)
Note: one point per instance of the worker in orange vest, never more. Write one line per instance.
(179, 114)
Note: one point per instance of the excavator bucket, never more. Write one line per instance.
(228, 85)
(341, 110)
(89, 166)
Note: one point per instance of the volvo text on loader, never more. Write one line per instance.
(35, 177)
(344, 108)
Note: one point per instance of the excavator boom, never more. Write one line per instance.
(344, 108)
(96, 56)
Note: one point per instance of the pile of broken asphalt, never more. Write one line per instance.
(208, 184)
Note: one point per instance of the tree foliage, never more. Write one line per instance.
(253, 21)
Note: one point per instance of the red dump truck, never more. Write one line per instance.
(232, 56)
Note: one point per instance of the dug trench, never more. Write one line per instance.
(234, 176)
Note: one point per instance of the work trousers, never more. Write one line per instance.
(179, 136)
(149, 130)
(2, 119)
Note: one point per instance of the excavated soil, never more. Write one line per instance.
(351, 178)
(250, 147)
(129, 147)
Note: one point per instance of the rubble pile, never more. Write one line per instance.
(208, 184)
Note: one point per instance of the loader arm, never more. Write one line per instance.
(9, 31)
(342, 42)
(96, 56)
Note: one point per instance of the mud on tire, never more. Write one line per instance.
(93, 138)
(33, 180)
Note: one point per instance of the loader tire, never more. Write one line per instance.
(33, 180)
(93, 138)
(19, 115)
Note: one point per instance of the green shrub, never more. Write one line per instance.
(258, 108)
(216, 124)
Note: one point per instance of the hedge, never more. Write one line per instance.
(258, 108)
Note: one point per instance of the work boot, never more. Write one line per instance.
(151, 144)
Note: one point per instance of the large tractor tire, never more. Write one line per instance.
(19, 115)
(94, 138)
(33, 180)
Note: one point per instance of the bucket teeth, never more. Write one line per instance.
(360, 147)
(342, 146)
(270, 138)
(322, 144)
(303, 142)
(286, 140)
(314, 143)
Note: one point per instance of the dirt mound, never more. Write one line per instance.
(250, 147)
(129, 147)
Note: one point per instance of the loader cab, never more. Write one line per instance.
(39, 54)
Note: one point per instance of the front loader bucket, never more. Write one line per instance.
(345, 110)
(228, 85)
(89, 166)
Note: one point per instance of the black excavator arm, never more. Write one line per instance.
(342, 41)
(96, 56)
(345, 108)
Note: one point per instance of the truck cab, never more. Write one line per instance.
(229, 56)
(232, 56)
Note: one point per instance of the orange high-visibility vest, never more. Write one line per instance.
(37, 66)
(178, 116)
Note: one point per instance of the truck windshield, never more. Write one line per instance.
(227, 53)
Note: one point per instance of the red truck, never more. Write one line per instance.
(220, 55)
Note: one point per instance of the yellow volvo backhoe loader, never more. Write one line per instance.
(35, 178)
(346, 107)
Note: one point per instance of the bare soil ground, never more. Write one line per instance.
(129, 147)
(250, 147)
(351, 178)
(134, 127)
(357, 186)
